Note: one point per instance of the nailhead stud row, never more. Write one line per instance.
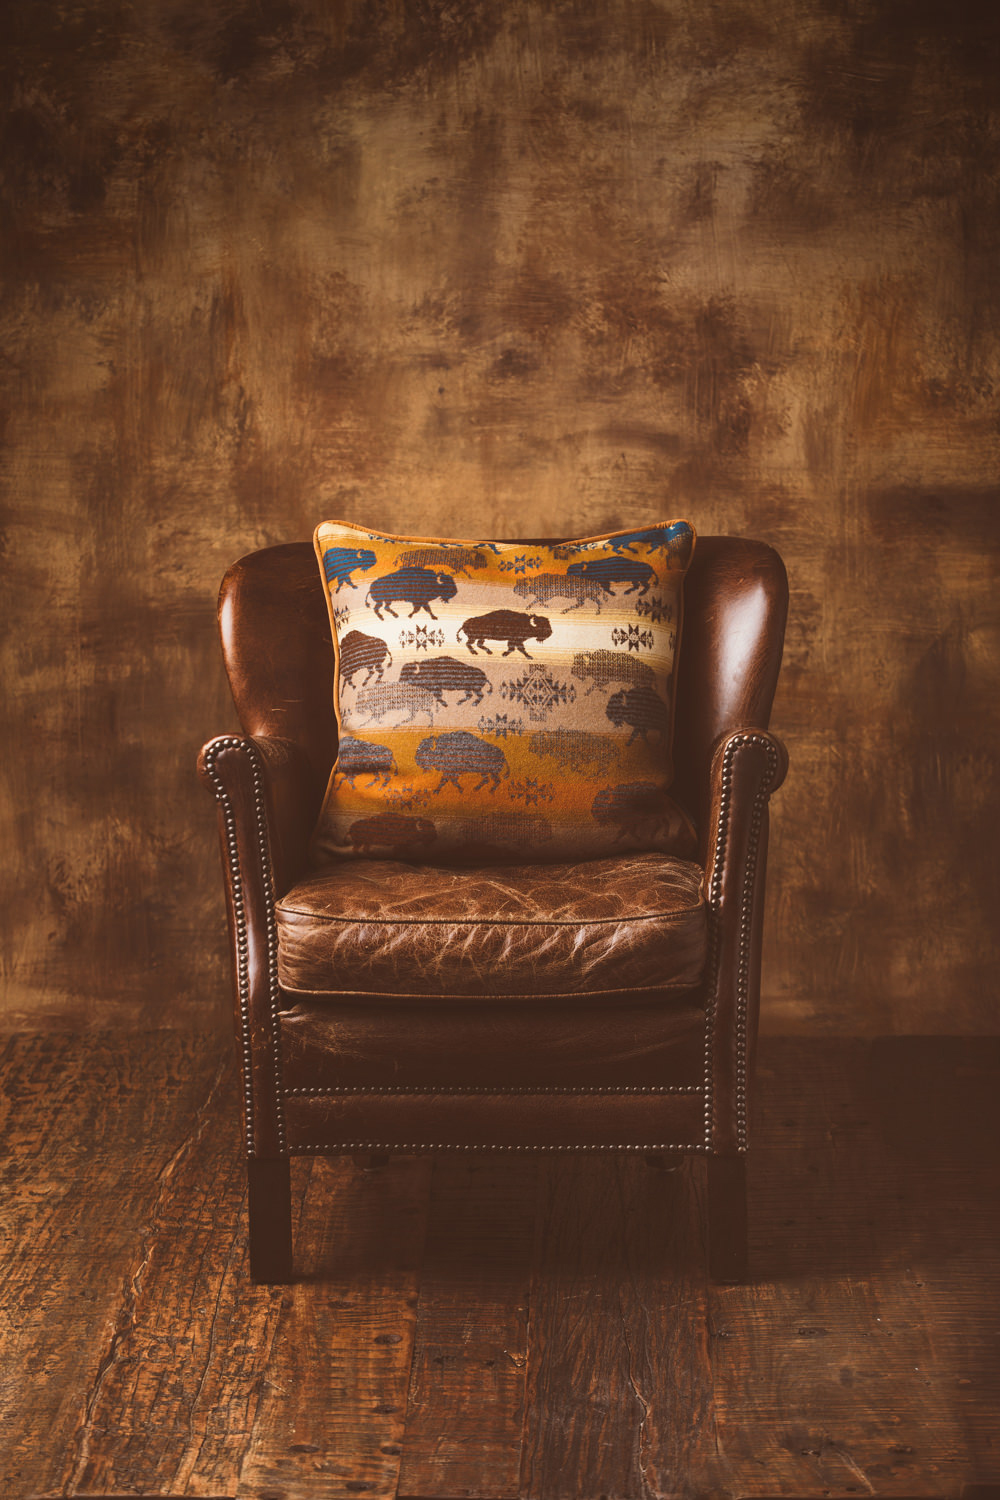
(737, 743)
(240, 921)
(743, 975)
(411, 1146)
(450, 1090)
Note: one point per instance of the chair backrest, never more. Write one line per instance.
(279, 653)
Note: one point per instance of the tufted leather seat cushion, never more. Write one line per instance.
(628, 926)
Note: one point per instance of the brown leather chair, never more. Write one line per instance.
(605, 1006)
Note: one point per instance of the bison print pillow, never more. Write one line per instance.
(503, 701)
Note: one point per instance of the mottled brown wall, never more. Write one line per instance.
(459, 265)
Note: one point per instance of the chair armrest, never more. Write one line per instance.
(267, 800)
(269, 779)
(746, 763)
(747, 766)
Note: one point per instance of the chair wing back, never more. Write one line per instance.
(279, 655)
(735, 606)
(278, 651)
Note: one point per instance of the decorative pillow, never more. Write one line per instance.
(502, 701)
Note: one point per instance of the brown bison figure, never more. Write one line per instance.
(504, 625)
(391, 831)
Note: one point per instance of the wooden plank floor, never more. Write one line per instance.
(493, 1327)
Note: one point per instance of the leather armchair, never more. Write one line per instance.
(382, 1007)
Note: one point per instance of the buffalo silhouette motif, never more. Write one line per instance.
(603, 668)
(443, 674)
(416, 586)
(675, 539)
(382, 698)
(642, 709)
(391, 831)
(340, 562)
(462, 754)
(363, 652)
(574, 748)
(542, 588)
(609, 570)
(504, 625)
(361, 758)
(458, 559)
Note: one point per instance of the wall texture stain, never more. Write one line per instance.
(525, 268)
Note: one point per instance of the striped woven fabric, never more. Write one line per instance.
(502, 701)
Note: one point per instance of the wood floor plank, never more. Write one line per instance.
(584, 1411)
(198, 1382)
(619, 1395)
(466, 1399)
(939, 1115)
(93, 1127)
(664, 1307)
(829, 1374)
(137, 1358)
(174, 1406)
(333, 1414)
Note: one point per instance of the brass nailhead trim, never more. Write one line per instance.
(737, 743)
(418, 1090)
(247, 748)
(409, 1146)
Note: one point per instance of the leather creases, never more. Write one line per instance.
(592, 930)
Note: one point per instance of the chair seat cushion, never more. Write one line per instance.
(591, 930)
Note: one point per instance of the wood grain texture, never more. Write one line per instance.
(868, 1383)
(466, 1403)
(334, 1412)
(99, 1138)
(514, 269)
(619, 1384)
(455, 1333)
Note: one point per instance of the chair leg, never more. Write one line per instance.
(727, 1218)
(269, 1204)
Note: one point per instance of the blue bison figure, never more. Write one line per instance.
(340, 562)
(676, 539)
(609, 570)
(416, 586)
(462, 754)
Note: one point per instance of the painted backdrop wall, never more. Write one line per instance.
(458, 266)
